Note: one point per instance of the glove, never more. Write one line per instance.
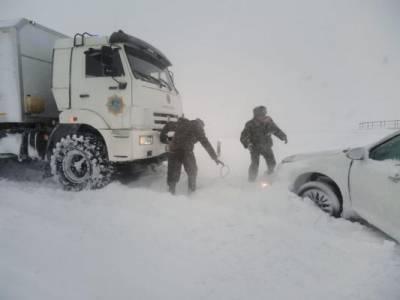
(285, 140)
(250, 147)
(218, 162)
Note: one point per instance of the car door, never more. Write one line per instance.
(375, 186)
(96, 75)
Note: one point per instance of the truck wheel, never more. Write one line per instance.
(323, 196)
(80, 162)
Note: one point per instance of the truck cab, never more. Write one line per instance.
(120, 86)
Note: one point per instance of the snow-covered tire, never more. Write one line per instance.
(80, 162)
(323, 195)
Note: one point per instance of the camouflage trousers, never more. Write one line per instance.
(269, 157)
(175, 161)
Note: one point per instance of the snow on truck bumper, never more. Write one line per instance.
(129, 145)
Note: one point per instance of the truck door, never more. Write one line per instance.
(375, 186)
(101, 84)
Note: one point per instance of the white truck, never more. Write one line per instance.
(83, 104)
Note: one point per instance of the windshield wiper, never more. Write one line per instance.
(145, 76)
(165, 83)
(159, 81)
(149, 78)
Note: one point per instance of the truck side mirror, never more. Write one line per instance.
(107, 55)
(122, 85)
(171, 74)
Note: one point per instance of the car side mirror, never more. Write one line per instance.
(356, 153)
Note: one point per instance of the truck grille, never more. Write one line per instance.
(160, 119)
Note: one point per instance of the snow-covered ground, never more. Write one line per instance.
(229, 240)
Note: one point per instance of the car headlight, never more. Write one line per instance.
(146, 140)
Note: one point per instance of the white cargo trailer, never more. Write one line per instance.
(25, 71)
(84, 104)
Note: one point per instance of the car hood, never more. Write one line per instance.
(313, 155)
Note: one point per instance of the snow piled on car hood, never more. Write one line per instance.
(230, 240)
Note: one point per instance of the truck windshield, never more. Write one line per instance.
(148, 71)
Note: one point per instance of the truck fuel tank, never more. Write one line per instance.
(34, 105)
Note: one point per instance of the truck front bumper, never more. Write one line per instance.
(125, 145)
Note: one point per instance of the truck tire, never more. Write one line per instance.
(80, 162)
(323, 196)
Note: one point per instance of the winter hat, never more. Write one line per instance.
(200, 122)
(260, 111)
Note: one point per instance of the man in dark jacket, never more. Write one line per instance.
(256, 136)
(181, 137)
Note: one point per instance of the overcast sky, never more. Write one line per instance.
(314, 64)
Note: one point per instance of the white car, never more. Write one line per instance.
(363, 180)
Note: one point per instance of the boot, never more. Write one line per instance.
(172, 189)
(269, 171)
(192, 187)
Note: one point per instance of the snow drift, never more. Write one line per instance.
(222, 243)
(229, 240)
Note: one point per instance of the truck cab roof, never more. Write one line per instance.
(140, 45)
(118, 37)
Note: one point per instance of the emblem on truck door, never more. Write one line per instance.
(115, 104)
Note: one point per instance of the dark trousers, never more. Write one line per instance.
(269, 157)
(175, 161)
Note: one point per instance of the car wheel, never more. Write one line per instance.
(323, 196)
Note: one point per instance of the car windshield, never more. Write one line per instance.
(145, 70)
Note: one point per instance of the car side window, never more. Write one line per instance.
(388, 150)
(96, 65)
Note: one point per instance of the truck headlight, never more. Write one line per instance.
(145, 140)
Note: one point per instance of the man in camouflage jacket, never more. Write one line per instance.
(181, 145)
(256, 136)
